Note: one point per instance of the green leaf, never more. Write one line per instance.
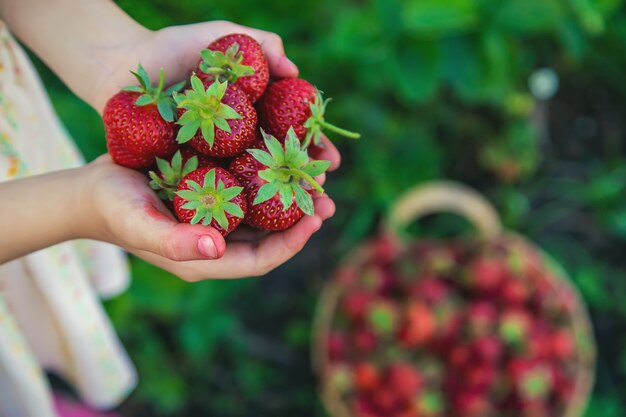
(266, 192)
(188, 195)
(186, 132)
(276, 150)
(267, 174)
(208, 131)
(144, 100)
(315, 168)
(228, 112)
(222, 124)
(286, 196)
(165, 110)
(304, 200)
(233, 209)
(231, 192)
(192, 205)
(197, 86)
(134, 88)
(528, 16)
(221, 219)
(440, 17)
(209, 180)
(263, 157)
(416, 71)
(175, 88)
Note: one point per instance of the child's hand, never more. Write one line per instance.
(128, 213)
(176, 49)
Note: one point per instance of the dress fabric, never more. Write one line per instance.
(51, 318)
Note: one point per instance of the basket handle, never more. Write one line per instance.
(443, 196)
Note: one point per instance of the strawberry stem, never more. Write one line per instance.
(340, 131)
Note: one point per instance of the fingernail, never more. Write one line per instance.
(206, 247)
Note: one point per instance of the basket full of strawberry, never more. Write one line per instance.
(225, 147)
(467, 327)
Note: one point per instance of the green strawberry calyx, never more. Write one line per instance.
(204, 110)
(225, 66)
(155, 95)
(289, 171)
(211, 201)
(171, 173)
(316, 123)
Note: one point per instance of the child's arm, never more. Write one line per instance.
(107, 202)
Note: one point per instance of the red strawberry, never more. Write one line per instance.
(562, 345)
(487, 349)
(295, 103)
(385, 399)
(429, 288)
(188, 152)
(138, 122)
(404, 379)
(485, 275)
(219, 121)
(420, 325)
(165, 181)
(472, 404)
(479, 376)
(366, 376)
(514, 291)
(356, 304)
(337, 346)
(275, 181)
(481, 317)
(238, 59)
(364, 340)
(211, 196)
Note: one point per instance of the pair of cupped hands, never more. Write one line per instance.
(131, 214)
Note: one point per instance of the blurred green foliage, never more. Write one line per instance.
(438, 88)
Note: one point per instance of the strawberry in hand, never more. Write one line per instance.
(238, 59)
(209, 121)
(139, 122)
(278, 182)
(210, 196)
(296, 103)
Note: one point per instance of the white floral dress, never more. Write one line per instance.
(50, 315)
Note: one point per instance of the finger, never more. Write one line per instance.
(280, 66)
(320, 179)
(327, 151)
(324, 206)
(151, 228)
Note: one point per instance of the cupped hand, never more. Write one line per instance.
(125, 211)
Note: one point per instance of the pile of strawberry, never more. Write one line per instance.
(453, 329)
(225, 146)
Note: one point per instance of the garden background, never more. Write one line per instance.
(457, 89)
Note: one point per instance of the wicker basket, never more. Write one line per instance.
(438, 197)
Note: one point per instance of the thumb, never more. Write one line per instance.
(160, 234)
